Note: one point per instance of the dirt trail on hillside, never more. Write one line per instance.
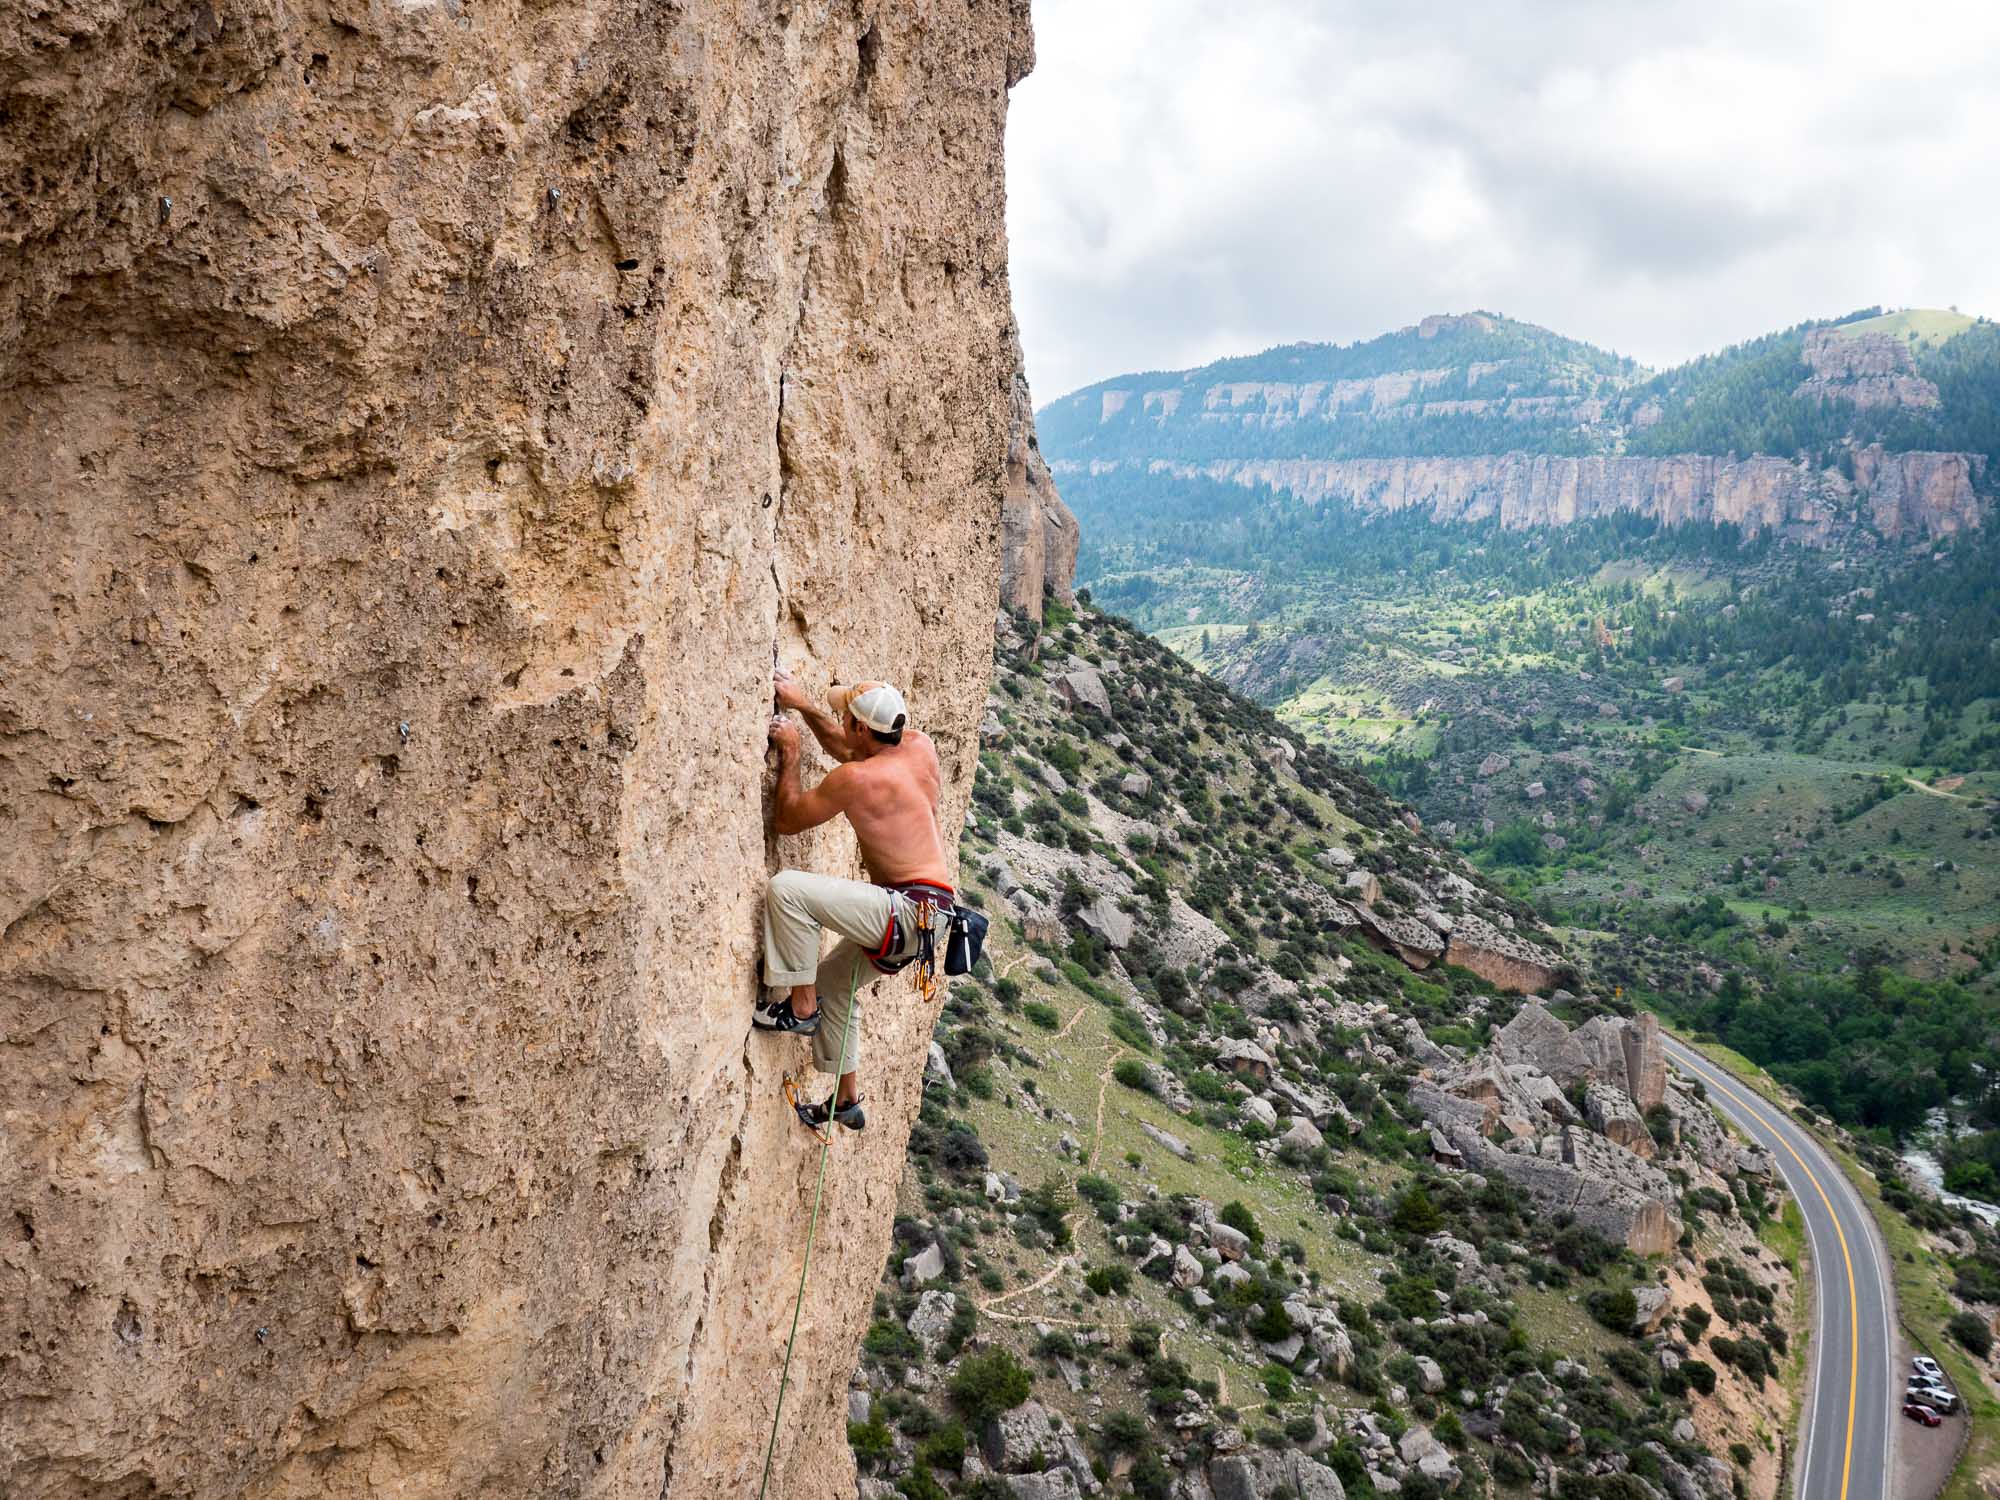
(1932, 791)
(1103, 1083)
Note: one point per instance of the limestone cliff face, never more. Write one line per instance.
(1863, 370)
(428, 426)
(1899, 494)
(1038, 535)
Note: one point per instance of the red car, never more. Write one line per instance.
(1917, 1412)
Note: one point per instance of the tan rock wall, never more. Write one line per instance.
(428, 423)
(1038, 535)
(1898, 494)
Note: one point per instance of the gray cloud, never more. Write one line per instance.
(1189, 180)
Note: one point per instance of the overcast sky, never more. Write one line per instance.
(1188, 180)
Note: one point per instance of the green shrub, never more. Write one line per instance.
(1971, 1331)
(1134, 1074)
(1272, 1324)
(1236, 1214)
(1126, 1432)
(1109, 1281)
(1615, 1310)
(1101, 1193)
(870, 1440)
(891, 1341)
(1043, 1015)
(1130, 1030)
(944, 1449)
(987, 1384)
(1415, 1213)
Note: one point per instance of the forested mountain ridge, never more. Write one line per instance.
(1873, 423)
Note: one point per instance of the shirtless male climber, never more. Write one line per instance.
(887, 782)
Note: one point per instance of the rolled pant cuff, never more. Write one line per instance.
(789, 981)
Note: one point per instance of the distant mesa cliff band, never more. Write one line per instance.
(1899, 494)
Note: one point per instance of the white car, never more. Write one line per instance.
(1928, 1369)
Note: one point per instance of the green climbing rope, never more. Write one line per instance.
(812, 1232)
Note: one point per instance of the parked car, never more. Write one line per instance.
(1917, 1412)
(1928, 1368)
(1934, 1396)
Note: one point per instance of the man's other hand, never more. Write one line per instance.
(786, 689)
(785, 735)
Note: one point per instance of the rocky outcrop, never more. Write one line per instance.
(431, 428)
(1899, 494)
(1864, 370)
(1605, 1187)
(1503, 959)
(1505, 1111)
(1038, 535)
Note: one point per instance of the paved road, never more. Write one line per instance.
(1854, 1394)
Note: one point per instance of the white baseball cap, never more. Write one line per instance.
(875, 704)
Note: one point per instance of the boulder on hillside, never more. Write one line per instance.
(1105, 918)
(923, 1267)
(1645, 1061)
(1231, 1242)
(1363, 887)
(1613, 1115)
(1652, 1303)
(1187, 1270)
(1404, 937)
(1335, 858)
(937, 1067)
(1627, 1053)
(931, 1321)
(1084, 688)
(1303, 1134)
(1260, 1110)
(1503, 959)
(1537, 1038)
(1260, 1474)
(1240, 1056)
(1605, 1188)
(1031, 1437)
(1056, 1484)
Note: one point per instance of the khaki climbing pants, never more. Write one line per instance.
(867, 918)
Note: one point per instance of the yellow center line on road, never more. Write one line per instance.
(1853, 1306)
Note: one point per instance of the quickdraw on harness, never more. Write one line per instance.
(925, 903)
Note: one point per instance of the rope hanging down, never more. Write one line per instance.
(812, 1232)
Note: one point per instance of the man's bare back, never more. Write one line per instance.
(893, 809)
(888, 792)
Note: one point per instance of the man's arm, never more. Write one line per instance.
(795, 809)
(825, 727)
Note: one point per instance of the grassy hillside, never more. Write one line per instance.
(1721, 766)
(1929, 326)
(1162, 864)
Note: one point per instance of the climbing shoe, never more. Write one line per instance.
(816, 1116)
(780, 1017)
